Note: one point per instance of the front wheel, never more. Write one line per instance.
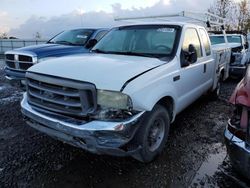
(153, 133)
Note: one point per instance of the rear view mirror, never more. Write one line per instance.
(91, 43)
(190, 56)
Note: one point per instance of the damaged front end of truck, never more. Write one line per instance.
(99, 121)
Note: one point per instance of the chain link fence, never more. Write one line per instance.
(10, 44)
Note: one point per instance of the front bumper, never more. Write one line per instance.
(15, 77)
(239, 153)
(99, 137)
(237, 71)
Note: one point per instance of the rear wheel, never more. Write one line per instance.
(153, 133)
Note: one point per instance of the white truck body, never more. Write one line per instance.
(222, 55)
(146, 81)
(239, 56)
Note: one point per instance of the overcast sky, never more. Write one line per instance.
(23, 18)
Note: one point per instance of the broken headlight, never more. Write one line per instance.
(114, 100)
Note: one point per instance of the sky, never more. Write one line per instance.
(23, 18)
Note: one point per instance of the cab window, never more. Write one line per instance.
(191, 37)
(205, 41)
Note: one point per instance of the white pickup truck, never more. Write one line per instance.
(121, 99)
(240, 55)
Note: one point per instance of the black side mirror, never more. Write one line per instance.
(190, 56)
(246, 45)
(91, 43)
(192, 53)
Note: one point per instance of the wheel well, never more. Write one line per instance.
(168, 103)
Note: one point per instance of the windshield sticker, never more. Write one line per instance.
(166, 30)
(81, 36)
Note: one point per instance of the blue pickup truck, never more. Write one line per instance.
(65, 43)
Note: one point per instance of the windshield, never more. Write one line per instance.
(217, 39)
(73, 37)
(234, 39)
(147, 40)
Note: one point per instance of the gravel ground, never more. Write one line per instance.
(195, 155)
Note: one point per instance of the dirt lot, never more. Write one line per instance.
(195, 155)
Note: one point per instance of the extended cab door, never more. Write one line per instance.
(193, 77)
(207, 61)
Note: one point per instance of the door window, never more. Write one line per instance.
(191, 37)
(205, 42)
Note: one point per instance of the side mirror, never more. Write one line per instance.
(192, 53)
(246, 45)
(91, 43)
(189, 57)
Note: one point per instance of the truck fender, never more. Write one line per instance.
(152, 96)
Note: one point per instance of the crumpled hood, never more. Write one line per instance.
(241, 94)
(106, 71)
(56, 50)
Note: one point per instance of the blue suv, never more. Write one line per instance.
(68, 42)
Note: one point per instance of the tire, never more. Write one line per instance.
(153, 133)
(216, 93)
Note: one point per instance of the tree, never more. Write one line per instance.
(243, 15)
(220, 7)
(3, 35)
(223, 9)
(236, 14)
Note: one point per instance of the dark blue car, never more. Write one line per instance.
(69, 42)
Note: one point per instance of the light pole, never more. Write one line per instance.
(81, 12)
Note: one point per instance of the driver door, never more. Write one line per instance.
(190, 84)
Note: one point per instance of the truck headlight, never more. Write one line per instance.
(114, 99)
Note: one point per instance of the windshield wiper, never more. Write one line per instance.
(99, 51)
(64, 42)
(127, 53)
(136, 54)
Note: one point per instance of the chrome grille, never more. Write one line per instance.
(61, 96)
(18, 61)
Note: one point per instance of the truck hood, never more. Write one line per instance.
(51, 50)
(106, 71)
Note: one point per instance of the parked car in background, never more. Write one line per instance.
(240, 55)
(68, 42)
(237, 133)
(120, 99)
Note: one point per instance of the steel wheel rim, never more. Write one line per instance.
(156, 134)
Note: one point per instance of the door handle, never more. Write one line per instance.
(205, 68)
(176, 78)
